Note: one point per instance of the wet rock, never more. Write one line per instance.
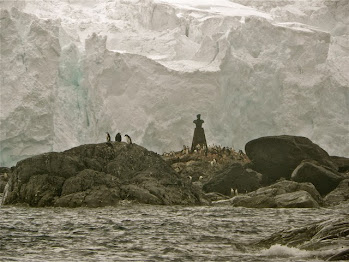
(98, 175)
(262, 201)
(236, 177)
(278, 156)
(133, 192)
(339, 195)
(5, 173)
(342, 163)
(214, 196)
(343, 255)
(281, 194)
(324, 179)
(298, 199)
(321, 235)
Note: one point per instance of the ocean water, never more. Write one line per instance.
(131, 232)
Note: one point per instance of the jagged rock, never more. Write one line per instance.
(281, 194)
(98, 175)
(324, 179)
(278, 156)
(339, 195)
(341, 162)
(235, 176)
(315, 236)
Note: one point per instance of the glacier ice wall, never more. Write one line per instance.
(147, 67)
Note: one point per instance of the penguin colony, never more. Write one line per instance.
(215, 155)
(210, 152)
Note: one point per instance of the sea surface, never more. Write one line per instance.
(131, 232)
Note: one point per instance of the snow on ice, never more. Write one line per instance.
(72, 70)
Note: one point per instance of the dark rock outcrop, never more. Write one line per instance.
(235, 176)
(278, 156)
(98, 175)
(281, 194)
(324, 179)
(342, 163)
(339, 195)
(320, 235)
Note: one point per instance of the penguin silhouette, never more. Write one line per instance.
(118, 137)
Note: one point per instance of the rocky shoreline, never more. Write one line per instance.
(317, 236)
(276, 172)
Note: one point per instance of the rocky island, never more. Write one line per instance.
(279, 171)
(97, 175)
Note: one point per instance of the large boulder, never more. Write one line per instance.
(262, 201)
(339, 195)
(281, 194)
(98, 175)
(298, 199)
(324, 179)
(278, 156)
(236, 177)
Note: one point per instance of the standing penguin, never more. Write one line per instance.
(118, 137)
(128, 139)
(108, 137)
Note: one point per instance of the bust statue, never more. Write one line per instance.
(198, 122)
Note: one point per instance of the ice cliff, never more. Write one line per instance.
(72, 70)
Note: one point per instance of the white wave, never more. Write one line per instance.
(285, 251)
(278, 250)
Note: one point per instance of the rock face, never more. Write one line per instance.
(325, 180)
(98, 175)
(278, 156)
(235, 177)
(281, 194)
(316, 236)
(339, 195)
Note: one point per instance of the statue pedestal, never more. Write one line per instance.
(199, 138)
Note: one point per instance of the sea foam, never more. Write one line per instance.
(278, 250)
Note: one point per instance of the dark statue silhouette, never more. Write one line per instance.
(199, 134)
